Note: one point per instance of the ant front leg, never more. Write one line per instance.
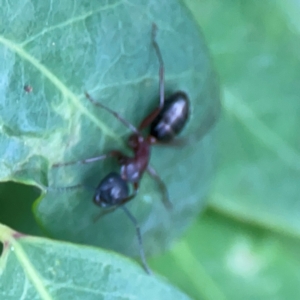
(117, 154)
(149, 119)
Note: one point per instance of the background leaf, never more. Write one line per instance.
(223, 259)
(45, 269)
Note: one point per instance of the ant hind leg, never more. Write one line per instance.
(163, 188)
(139, 237)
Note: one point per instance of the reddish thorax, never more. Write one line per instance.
(133, 168)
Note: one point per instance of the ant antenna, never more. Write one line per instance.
(161, 67)
(65, 188)
(114, 113)
(69, 188)
(149, 119)
(139, 236)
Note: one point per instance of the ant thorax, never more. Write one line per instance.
(134, 167)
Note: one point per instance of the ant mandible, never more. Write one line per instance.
(164, 122)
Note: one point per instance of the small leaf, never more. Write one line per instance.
(37, 268)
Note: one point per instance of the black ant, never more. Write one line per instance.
(164, 122)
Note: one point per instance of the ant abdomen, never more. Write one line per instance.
(172, 118)
(111, 190)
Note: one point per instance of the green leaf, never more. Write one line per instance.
(38, 268)
(61, 51)
(222, 259)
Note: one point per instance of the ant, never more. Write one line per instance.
(164, 123)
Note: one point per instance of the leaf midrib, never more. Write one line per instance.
(7, 235)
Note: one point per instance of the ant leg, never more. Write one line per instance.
(149, 119)
(135, 191)
(166, 201)
(65, 188)
(114, 113)
(113, 153)
(161, 68)
(84, 161)
(104, 212)
(176, 143)
(68, 188)
(139, 237)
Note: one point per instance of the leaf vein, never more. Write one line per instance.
(66, 92)
(70, 21)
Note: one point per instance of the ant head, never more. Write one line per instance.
(111, 191)
(134, 140)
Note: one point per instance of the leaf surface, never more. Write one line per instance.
(46, 269)
(59, 51)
